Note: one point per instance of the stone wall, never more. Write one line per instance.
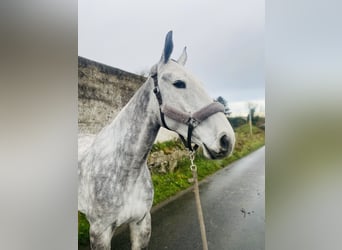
(102, 92)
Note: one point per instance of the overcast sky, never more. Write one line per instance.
(224, 39)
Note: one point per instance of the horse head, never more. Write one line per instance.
(187, 109)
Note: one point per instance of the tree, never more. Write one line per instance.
(223, 101)
(250, 115)
(251, 107)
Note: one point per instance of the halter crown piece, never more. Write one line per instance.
(191, 120)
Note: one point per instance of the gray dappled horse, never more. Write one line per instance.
(115, 185)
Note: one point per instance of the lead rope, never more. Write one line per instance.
(193, 169)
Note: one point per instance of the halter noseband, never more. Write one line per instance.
(191, 120)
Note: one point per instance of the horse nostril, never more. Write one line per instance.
(224, 142)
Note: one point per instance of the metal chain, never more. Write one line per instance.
(193, 169)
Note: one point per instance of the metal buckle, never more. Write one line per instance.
(156, 90)
(193, 122)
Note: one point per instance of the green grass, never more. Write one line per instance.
(169, 184)
(167, 146)
(83, 229)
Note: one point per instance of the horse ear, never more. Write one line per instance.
(168, 47)
(183, 57)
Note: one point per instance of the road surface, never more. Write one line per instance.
(233, 202)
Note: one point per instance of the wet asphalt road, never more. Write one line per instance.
(233, 202)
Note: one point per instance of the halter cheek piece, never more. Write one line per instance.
(191, 120)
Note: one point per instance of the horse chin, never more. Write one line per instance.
(211, 154)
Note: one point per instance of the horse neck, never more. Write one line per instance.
(137, 125)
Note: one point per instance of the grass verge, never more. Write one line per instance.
(169, 184)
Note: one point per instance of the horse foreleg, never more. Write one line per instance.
(141, 232)
(101, 240)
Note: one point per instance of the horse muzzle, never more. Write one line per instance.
(221, 148)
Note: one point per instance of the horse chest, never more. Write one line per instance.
(137, 200)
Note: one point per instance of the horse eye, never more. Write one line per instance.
(179, 84)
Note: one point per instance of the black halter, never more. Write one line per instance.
(191, 120)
